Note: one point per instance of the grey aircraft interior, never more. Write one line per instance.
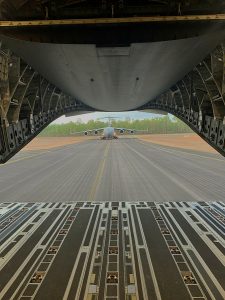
(106, 55)
(94, 220)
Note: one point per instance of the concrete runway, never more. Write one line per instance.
(126, 169)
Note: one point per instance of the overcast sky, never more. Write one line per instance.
(96, 115)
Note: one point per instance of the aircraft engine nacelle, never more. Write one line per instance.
(85, 133)
(96, 131)
(121, 131)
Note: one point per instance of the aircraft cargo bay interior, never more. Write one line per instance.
(112, 150)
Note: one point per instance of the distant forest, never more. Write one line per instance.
(160, 125)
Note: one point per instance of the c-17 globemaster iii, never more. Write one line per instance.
(109, 132)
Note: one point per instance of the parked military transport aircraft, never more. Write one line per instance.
(108, 132)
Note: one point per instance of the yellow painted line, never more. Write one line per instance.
(94, 21)
(178, 151)
(98, 177)
(23, 158)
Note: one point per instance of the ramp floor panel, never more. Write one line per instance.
(112, 250)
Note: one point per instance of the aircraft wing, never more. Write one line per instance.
(88, 132)
(129, 131)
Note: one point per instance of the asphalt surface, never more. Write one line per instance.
(126, 169)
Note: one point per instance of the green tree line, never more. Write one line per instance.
(159, 125)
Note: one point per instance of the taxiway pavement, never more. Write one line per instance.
(126, 169)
